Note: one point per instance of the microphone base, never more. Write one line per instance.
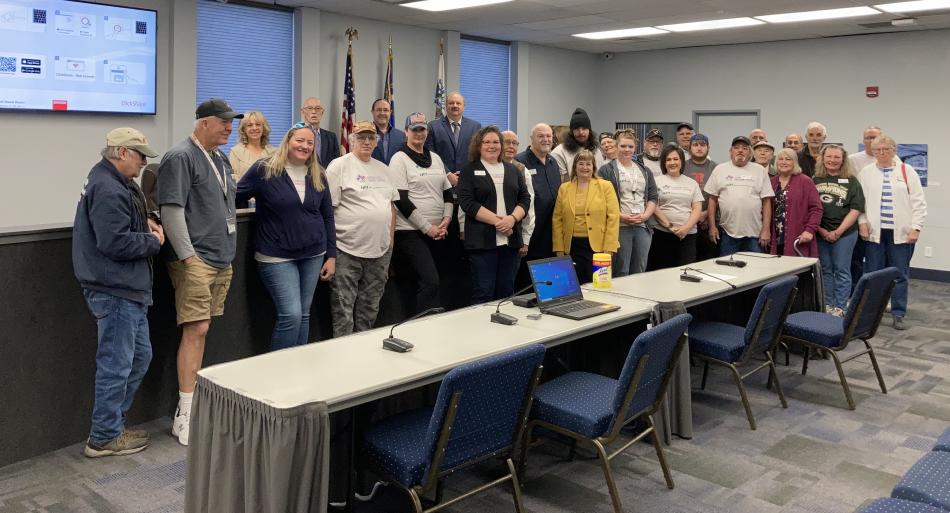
(690, 277)
(397, 345)
(505, 319)
(731, 263)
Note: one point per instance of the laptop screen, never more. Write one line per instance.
(560, 272)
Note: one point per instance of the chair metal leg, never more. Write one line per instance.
(787, 351)
(877, 370)
(844, 381)
(806, 354)
(702, 385)
(773, 375)
(515, 486)
(742, 394)
(523, 457)
(608, 475)
(659, 454)
(416, 502)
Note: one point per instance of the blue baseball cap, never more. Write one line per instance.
(699, 137)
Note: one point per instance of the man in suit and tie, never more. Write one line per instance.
(450, 135)
(388, 141)
(326, 145)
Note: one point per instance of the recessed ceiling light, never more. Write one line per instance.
(448, 5)
(919, 5)
(615, 34)
(712, 24)
(826, 14)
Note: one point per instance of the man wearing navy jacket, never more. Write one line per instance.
(326, 145)
(450, 135)
(113, 242)
(388, 141)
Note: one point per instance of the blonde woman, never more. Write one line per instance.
(296, 235)
(842, 202)
(586, 216)
(254, 136)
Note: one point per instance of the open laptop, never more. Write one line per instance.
(563, 297)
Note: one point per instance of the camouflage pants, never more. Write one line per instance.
(356, 291)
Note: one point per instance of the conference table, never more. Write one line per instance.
(260, 431)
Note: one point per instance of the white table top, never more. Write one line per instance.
(347, 371)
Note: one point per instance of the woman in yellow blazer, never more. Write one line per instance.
(586, 217)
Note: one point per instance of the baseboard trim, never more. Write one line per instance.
(930, 275)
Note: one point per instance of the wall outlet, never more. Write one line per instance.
(928, 251)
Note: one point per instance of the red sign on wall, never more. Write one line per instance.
(872, 91)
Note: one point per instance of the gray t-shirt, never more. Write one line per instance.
(186, 179)
(700, 173)
(740, 191)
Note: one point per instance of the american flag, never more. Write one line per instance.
(349, 101)
(440, 86)
(389, 95)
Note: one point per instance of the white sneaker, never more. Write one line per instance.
(180, 426)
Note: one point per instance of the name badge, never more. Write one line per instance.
(479, 172)
(232, 227)
(532, 172)
(843, 180)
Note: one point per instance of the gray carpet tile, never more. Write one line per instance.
(816, 456)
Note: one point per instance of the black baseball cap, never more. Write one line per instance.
(655, 133)
(218, 108)
(684, 124)
(741, 139)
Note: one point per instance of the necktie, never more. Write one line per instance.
(455, 132)
(316, 143)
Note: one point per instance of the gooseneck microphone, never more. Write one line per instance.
(713, 276)
(399, 345)
(506, 319)
(732, 262)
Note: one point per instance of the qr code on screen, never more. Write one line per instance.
(7, 64)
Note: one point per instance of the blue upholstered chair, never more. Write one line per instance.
(943, 443)
(927, 482)
(891, 505)
(480, 413)
(732, 346)
(593, 408)
(829, 334)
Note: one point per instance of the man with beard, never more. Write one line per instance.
(579, 137)
(741, 191)
(699, 166)
(815, 134)
(652, 147)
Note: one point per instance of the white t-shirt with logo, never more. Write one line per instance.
(632, 189)
(675, 198)
(362, 195)
(740, 191)
(653, 166)
(425, 186)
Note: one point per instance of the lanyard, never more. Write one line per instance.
(217, 173)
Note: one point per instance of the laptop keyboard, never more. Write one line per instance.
(574, 307)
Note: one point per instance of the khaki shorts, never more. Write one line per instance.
(200, 290)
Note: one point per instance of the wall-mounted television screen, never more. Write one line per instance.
(61, 55)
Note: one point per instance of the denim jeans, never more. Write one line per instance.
(878, 255)
(122, 358)
(493, 273)
(631, 258)
(729, 245)
(291, 286)
(835, 260)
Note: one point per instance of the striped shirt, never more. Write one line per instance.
(887, 200)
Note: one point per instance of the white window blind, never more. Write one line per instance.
(484, 76)
(246, 57)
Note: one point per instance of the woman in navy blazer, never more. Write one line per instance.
(495, 199)
(296, 237)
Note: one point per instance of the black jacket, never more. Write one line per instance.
(478, 190)
(111, 240)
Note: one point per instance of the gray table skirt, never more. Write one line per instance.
(246, 456)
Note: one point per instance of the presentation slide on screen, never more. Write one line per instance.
(63, 55)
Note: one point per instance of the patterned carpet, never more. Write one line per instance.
(814, 457)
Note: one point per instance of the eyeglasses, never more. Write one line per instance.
(313, 109)
(365, 137)
(883, 149)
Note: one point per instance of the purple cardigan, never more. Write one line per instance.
(802, 214)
